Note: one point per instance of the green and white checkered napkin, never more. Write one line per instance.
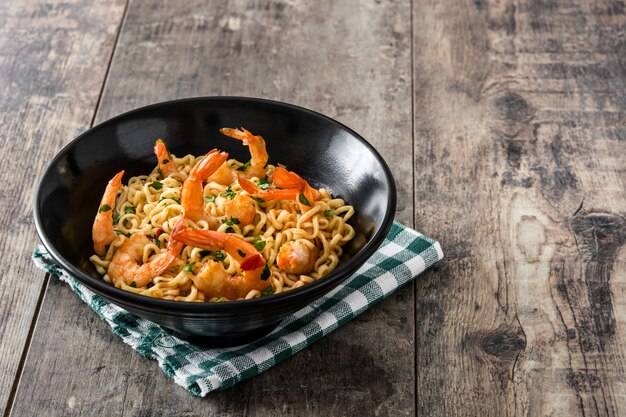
(403, 255)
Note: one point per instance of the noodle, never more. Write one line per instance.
(151, 204)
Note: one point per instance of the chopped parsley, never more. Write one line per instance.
(156, 241)
(119, 232)
(219, 300)
(231, 222)
(329, 213)
(229, 193)
(258, 243)
(230, 230)
(266, 272)
(303, 200)
(263, 184)
(219, 255)
(258, 200)
(103, 208)
(133, 284)
(117, 219)
(156, 185)
(204, 253)
(130, 210)
(244, 166)
(268, 291)
(189, 267)
(209, 199)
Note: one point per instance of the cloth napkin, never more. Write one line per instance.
(403, 255)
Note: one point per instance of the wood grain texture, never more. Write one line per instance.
(53, 59)
(525, 141)
(350, 60)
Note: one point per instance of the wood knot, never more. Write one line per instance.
(513, 108)
(504, 344)
(600, 234)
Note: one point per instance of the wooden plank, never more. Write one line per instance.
(523, 136)
(53, 59)
(350, 60)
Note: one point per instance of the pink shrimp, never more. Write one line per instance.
(292, 187)
(125, 263)
(166, 163)
(241, 208)
(258, 152)
(192, 198)
(212, 280)
(102, 231)
(296, 257)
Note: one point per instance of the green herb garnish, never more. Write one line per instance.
(117, 219)
(259, 244)
(204, 253)
(103, 208)
(263, 184)
(133, 284)
(156, 185)
(189, 267)
(219, 255)
(229, 193)
(329, 213)
(209, 199)
(302, 198)
(258, 200)
(130, 210)
(244, 166)
(266, 272)
(219, 300)
(268, 291)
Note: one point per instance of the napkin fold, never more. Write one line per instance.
(403, 255)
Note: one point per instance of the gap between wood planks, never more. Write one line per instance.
(47, 277)
(413, 284)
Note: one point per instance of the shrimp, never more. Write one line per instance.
(292, 187)
(241, 208)
(166, 164)
(258, 153)
(290, 180)
(191, 198)
(297, 257)
(102, 231)
(212, 280)
(125, 263)
(223, 175)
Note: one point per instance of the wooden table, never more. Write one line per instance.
(503, 123)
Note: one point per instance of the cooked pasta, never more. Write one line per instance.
(300, 239)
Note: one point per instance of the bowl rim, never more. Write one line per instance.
(110, 292)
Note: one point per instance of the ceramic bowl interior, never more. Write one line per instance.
(323, 151)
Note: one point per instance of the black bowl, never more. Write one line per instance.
(320, 149)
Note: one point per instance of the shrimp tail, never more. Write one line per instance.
(164, 158)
